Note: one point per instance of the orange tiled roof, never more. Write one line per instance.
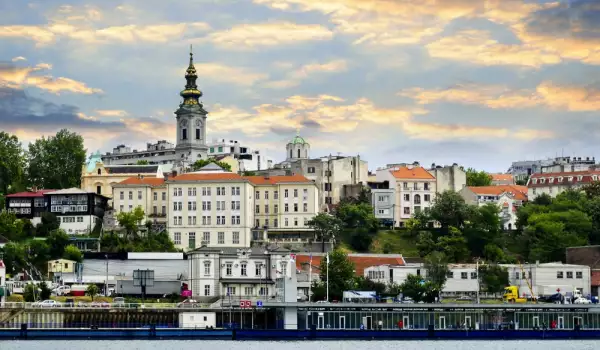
(501, 177)
(272, 180)
(518, 192)
(151, 181)
(207, 177)
(361, 262)
(553, 178)
(412, 173)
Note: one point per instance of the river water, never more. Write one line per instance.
(298, 345)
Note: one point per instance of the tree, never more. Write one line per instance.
(436, 266)
(360, 239)
(57, 241)
(14, 257)
(418, 289)
(364, 284)
(543, 199)
(341, 275)
(39, 253)
(73, 253)
(454, 246)
(478, 178)
(142, 162)
(248, 173)
(56, 162)
(449, 209)
(30, 293)
(12, 163)
(592, 190)
(493, 278)
(130, 221)
(201, 163)
(48, 224)
(44, 291)
(359, 215)
(325, 227)
(425, 243)
(10, 226)
(92, 290)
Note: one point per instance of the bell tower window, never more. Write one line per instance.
(291, 154)
(298, 152)
(197, 134)
(184, 134)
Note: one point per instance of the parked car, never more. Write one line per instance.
(582, 300)
(119, 302)
(99, 304)
(187, 303)
(47, 303)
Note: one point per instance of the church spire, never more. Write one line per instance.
(191, 94)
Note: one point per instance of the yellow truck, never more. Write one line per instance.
(511, 295)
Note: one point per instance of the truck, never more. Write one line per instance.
(78, 290)
(512, 295)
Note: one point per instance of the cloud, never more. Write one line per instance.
(310, 70)
(18, 77)
(19, 58)
(158, 33)
(112, 112)
(547, 94)
(334, 115)
(475, 46)
(227, 74)
(249, 36)
(385, 22)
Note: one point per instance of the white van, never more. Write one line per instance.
(61, 290)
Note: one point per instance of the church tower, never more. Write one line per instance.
(191, 121)
(297, 148)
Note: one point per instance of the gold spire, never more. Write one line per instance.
(191, 94)
(298, 131)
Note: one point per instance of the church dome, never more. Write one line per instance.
(298, 140)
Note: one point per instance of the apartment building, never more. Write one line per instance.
(283, 206)
(555, 183)
(212, 209)
(148, 193)
(509, 198)
(415, 190)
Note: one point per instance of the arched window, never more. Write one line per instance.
(417, 199)
(99, 171)
(306, 154)
(510, 226)
(298, 152)
(291, 154)
(207, 268)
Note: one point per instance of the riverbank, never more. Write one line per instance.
(239, 334)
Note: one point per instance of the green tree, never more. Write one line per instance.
(436, 265)
(325, 227)
(131, 221)
(359, 215)
(44, 291)
(10, 226)
(31, 293)
(493, 278)
(56, 162)
(360, 239)
(449, 209)
(142, 162)
(14, 257)
(418, 289)
(548, 235)
(73, 253)
(592, 190)
(57, 241)
(478, 178)
(454, 246)
(48, 224)
(542, 199)
(248, 173)
(92, 290)
(364, 284)
(12, 163)
(341, 275)
(39, 253)
(425, 243)
(200, 163)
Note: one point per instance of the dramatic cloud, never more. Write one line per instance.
(18, 77)
(311, 70)
(547, 94)
(249, 36)
(225, 74)
(112, 113)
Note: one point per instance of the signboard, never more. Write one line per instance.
(259, 303)
(293, 257)
(245, 304)
(143, 278)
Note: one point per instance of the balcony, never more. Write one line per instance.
(157, 215)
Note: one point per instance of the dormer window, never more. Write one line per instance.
(542, 180)
(579, 177)
(595, 177)
(570, 178)
(534, 181)
(560, 179)
(550, 180)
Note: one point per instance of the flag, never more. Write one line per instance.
(327, 258)
(310, 259)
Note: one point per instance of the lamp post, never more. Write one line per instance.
(477, 275)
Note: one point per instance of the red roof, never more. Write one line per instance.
(415, 172)
(501, 177)
(151, 181)
(272, 180)
(361, 261)
(38, 193)
(563, 178)
(207, 177)
(595, 278)
(518, 192)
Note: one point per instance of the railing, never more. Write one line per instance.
(101, 305)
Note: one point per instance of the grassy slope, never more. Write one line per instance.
(397, 241)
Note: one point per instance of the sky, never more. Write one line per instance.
(480, 83)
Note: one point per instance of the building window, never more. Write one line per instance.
(121, 208)
(473, 275)
(131, 195)
(221, 238)
(249, 291)
(243, 270)
(275, 194)
(407, 197)
(164, 196)
(286, 222)
(164, 210)
(235, 238)
(177, 238)
(266, 194)
(276, 209)
(450, 274)
(295, 221)
(311, 169)
(197, 134)
(463, 275)
(305, 207)
(285, 194)
(559, 274)
(569, 274)
(207, 290)
(228, 269)
(405, 185)
(295, 207)
(327, 186)
(258, 270)
(295, 193)
(99, 189)
(184, 134)
(266, 209)
(155, 196)
(275, 222)
(517, 275)
(579, 274)
(206, 238)
(139, 194)
(192, 240)
(407, 210)
(122, 195)
(417, 199)
(426, 197)
(257, 211)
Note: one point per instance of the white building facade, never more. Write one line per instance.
(508, 198)
(550, 278)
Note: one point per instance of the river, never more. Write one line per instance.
(298, 345)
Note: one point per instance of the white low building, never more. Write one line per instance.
(233, 274)
(550, 278)
(2, 282)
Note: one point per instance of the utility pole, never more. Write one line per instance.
(477, 273)
(106, 282)
(309, 277)
(327, 277)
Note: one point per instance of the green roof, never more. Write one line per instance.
(298, 140)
